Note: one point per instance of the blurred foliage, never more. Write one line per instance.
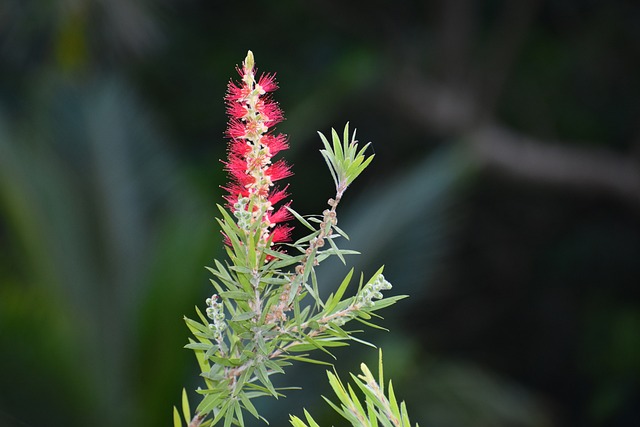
(97, 216)
(525, 305)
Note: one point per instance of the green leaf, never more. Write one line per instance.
(386, 302)
(310, 420)
(404, 416)
(327, 253)
(380, 371)
(226, 361)
(204, 320)
(337, 387)
(340, 232)
(335, 407)
(248, 405)
(236, 295)
(318, 345)
(274, 280)
(241, 269)
(371, 325)
(244, 377)
(263, 376)
(300, 219)
(296, 422)
(286, 262)
(330, 163)
(243, 316)
(328, 342)
(177, 422)
(335, 299)
(238, 411)
(316, 292)
(209, 402)
(275, 367)
(198, 346)
(367, 343)
(307, 360)
(357, 406)
(298, 243)
(262, 345)
(372, 415)
(345, 134)
(224, 409)
(186, 411)
(336, 250)
(393, 402)
(337, 146)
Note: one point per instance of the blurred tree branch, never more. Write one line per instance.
(440, 109)
(460, 101)
(593, 170)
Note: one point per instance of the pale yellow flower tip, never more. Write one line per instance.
(249, 62)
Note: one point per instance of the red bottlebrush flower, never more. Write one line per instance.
(278, 195)
(236, 166)
(236, 110)
(252, 171)
(275, 143)
(239, 147)
(281, 215)
(267, 82)
(272, 113)
(281, 233)
(236, 129)
(279, 170)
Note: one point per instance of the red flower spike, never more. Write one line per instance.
(252, 145)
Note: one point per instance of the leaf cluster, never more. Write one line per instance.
(345, 160)
(377, 409)
(272, 314)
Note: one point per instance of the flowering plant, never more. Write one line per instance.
(266, 312)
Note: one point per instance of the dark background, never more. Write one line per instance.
(504, 198)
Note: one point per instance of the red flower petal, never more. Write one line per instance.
(236, 110)
(237, 168)
(235, 93)
(282, 233)
(278, 195)
(239, 147)
(281, 215)
(275, 143)
(268, 82)
(236, 129)
(273, 113)
(279, 170)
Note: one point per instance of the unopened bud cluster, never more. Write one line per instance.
(373, 291)
(329, 216)
(242, 214)
(215, 312)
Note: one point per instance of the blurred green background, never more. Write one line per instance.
(504, 198)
